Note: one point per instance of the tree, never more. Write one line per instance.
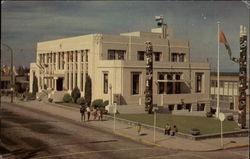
(35, 86)
(75, 94)
(21, 70)
(97, 103)
(88, 90)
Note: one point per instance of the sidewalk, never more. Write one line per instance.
(129, 131)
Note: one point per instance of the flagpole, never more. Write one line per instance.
(218, 73)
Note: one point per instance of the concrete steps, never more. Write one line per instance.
(57, 96)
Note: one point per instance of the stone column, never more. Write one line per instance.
(31, 80)
(79, 70)
(57, 61)
(66, 70)
(42, 82)
(61, 60)
(207, 107)
(175, 106)
(74, 69)
(84, 68)
(39, 82)
(194, 107)
(70, 72)
(55, 79)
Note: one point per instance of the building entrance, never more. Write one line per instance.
(59, 84)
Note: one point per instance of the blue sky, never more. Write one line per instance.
(23, 24)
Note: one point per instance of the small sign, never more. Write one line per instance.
(222, 116)
(114, 108)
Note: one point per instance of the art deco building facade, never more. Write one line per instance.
(117, 66)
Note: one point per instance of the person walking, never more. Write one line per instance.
(82, 111)
(138, 127)
(174, 130)
(88, 112)
(167, 129)
(101, 113)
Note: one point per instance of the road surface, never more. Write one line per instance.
(28, 133)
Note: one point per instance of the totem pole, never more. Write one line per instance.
(149, 78)
(242, 77)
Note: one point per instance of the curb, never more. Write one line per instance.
(136, 139)
(235, 146)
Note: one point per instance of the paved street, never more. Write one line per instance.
(32, 133)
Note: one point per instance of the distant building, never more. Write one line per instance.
(20, 81)
(6, 77)
(229, 90)
(117, 66)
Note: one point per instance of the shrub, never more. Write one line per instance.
(97, 103)
(230, 118)
(67, 98)
(209, 114)
(88, 90)
(105, 103)
(50, 100)
(75, 94)
(35, 86)
(195, 131)
(30, 96)
(80, 101)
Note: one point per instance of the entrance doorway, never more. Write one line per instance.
(59, 84)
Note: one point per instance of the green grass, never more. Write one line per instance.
(70, 105)
(183, 123)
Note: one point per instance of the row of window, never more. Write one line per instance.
(225, 84)
(177, 57)
(51, 57)
(164, 87)
(157, 56)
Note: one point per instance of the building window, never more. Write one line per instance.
(178, 76)
(86, 55)
(135, 83)
(157, 56)
(221, 84)
(200, 107)
(120, 54)
(76, 56)
(213, 83)
(174, 57)
(116, 54)
(105, 83)
(170, 88)
(161, 87)
(177, 88)
(198, 82)
(82, 55)
(140, 55)
(181, 57)
(170, 76)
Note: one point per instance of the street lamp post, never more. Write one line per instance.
(11, 77)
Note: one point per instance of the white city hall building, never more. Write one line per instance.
(116, 65)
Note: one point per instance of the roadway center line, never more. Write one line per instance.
(85, 152)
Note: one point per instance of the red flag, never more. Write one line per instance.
(71, 58)
(224, 41)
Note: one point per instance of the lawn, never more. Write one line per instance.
(70, 105)
(183, 123)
